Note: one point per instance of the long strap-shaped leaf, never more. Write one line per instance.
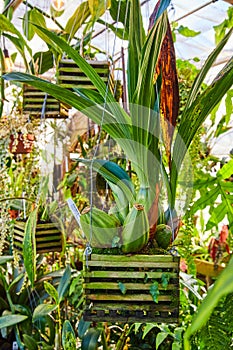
(223, 286)
(90, 72)
(29, 246)
(150, 52)
(195, 116)
(204, 70)
(136, 41)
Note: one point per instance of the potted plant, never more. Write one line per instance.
(38, 104)
(41, 232)
(18, 133)
(139, 133)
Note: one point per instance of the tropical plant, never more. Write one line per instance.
(139, 133)
(222, 287)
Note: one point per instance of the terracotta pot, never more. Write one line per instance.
(22, 145)
(14, 213)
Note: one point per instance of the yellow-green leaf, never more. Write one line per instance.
(77, 19)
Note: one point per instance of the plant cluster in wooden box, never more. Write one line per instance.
(71, 76)
(134, 288)
(48, 237)
(38, 104)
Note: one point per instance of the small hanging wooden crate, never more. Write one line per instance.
(34, 100)
(48, 237)
(70, 75)
(118, 288)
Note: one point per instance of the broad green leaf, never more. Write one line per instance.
(136, 327)
(27, 28)
(226, 171)
(5, 258)
(222, 287)
(154, 291)
(220, 31)
(30, 342)
(77, 19)
(35, 17)
(11, 320)
(68, 336)
(18, 43)
(161, 336)
(111, 171)
(122, 287)
(51, 290)
(165, 279)
(29, 246)
(217, 215)
(148, 327)
(42, 310)
(44, 61)
(185, 31)
(119, 12)
(205, 200)
(98, 8)
(8, 27)
(83, 326)
(177, 345)
(64, 283)
(90, 339)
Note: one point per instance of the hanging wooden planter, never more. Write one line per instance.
(34, 100)
(70, 75)
(22, 144)
(120, 288)
(48, 237)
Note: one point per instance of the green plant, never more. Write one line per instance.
(211, 188)
(222, 287)
(141, 145)
(57, 297)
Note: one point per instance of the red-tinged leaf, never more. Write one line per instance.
(169, 95)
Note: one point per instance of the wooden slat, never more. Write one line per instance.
(126, 274)
(130, 319)
(124, 264)
(134, 307)
(127, 297)
(128, 286)
(136, 258)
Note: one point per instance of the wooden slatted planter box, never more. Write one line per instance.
(48, 237)
(70, 75)
(106, 275)
(34, 99)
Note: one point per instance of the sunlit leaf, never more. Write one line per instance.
(77, 19)
(42, 310)
(226, 171)
(185, 31)
(10, 320)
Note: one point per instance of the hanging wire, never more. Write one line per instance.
(88, 247)
(196, 10)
